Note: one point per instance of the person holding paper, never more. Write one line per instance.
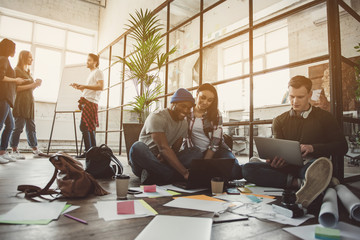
(320, 137)
(8, 84)
(205, 128)
(24, 107)
(155, 158)
(88, 103)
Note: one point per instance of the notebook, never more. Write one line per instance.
(164, 227)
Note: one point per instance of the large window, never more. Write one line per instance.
(250, 57)
(52, 46)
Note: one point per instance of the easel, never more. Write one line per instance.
(52, 129)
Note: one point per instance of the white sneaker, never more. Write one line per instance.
(255, 159)
(8, 157)
(38, 153)
(3, 160)
(17, 155)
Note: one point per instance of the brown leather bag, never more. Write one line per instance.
(71, 178)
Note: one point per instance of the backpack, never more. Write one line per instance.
(98, 162)
(72, 180)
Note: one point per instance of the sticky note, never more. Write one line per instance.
(126, 207)
(149, 188)
(327, 233)
(244, 190)
(254, 198)
(203, 197)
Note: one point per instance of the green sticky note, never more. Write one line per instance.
(327, 233)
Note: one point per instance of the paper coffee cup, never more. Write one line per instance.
(217, 185)
(122, 184)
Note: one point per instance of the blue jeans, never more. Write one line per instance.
(89, 137)
(262, 174)
(30, 132)
(142, 158)
(6, 118)
(237, 169)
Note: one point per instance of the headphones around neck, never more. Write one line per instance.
(304, 114)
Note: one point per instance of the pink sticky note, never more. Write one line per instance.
(125, 207)
(150, 188)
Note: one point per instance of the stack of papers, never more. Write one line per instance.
(160, 192)
(108, 210)
(34, 213)
(265, 211)
(347, 231)
(265, 190)
(207, 205)
(177, 189)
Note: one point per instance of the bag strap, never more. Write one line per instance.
(32, 191)
(114, 159)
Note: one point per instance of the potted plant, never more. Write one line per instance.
(143, 67)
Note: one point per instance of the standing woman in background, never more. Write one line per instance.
(8, 84)
(205, 128)
(24, 107)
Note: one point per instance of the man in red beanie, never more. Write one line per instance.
(156, 158)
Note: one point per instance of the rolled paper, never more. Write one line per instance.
(329, 213)
(350, 201)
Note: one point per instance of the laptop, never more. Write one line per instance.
(289, 150)
(203, 170)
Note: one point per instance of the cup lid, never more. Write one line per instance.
(122, 176)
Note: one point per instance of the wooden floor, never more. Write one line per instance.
(39, 171)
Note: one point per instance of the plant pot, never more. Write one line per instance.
(131, 134)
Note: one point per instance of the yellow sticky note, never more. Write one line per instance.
(147, 206)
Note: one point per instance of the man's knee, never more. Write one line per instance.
(136, 148)
(248, 170)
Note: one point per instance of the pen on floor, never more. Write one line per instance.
(75, 218)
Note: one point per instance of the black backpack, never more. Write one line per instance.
(98, 162)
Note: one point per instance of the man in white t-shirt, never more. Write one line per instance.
(88, 103)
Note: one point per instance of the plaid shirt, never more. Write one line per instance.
(213, 132)
(89, 114)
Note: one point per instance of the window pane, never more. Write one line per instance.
(226, 18)
(277, 58)
(181, 10)
(49, 35)
(186, 38)
(75, 58)
(80, 42)
(47, 65)
(277, 39)
(184, 73)
(15, 28)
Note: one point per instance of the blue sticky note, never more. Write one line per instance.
(253, 198)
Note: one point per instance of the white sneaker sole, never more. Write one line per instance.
(317, 179)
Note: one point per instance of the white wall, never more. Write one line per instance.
(72, 12)
(116, 14)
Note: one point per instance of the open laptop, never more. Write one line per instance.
(289, 150)
(203, 170)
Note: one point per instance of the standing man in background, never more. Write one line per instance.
(88, 103)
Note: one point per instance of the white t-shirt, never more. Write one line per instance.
(92, 95)
(198, 136)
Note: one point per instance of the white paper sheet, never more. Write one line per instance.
(329, 214)
(347, 231)
(108, 210)
(34, 211)
(160, 192)
(196, 204)
(265, 190)
(265, 211)
(350, 201)
(177, 189)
